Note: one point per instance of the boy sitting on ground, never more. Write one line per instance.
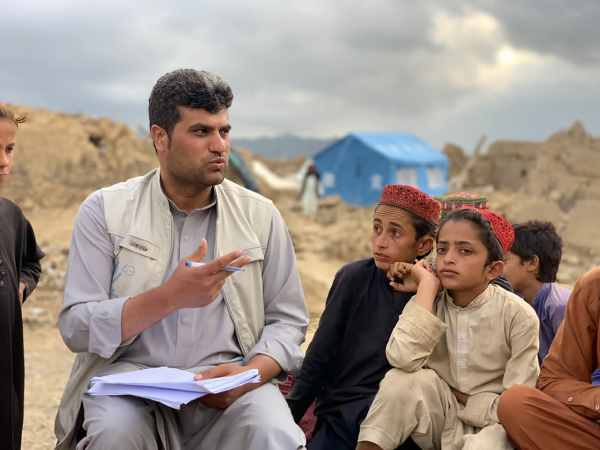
(346, 359)
(531, 267)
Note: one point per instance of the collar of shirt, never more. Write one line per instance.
(477, 302)
(175, 210)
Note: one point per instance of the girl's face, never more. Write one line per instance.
(8, 132)
(393, 238)
(461, 258)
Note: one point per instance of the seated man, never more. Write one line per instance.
(456, 350)
(346, 359)
(531, 267)
(131, 301)
(564, 411)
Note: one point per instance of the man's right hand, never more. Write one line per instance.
(194, 287)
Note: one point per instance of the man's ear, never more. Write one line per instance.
(160, 138)
(424, 245)
(494, 270)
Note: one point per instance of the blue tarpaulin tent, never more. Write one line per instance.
(357, 166)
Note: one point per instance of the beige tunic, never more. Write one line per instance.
(481, 350)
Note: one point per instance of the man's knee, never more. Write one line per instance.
(119, 426)
(515, 402)
(265, 419)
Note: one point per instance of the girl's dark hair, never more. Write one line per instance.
(486, 233)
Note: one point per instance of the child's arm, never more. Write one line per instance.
(521, 368)
(418, 329)
(321, 351)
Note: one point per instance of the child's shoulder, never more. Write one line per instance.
(513, 305)
(356, 267)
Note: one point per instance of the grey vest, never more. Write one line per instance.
(138, 210)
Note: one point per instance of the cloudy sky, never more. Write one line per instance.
(446, 70)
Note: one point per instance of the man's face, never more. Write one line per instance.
(393, 238)
(8, 134)
(516, 272)
(197, 152)
(461, 257)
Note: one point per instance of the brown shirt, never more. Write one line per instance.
(575, 353)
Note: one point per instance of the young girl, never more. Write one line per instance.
(456, 350)
(19, 273)
(346, 359)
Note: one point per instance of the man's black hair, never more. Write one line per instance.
(190, 88)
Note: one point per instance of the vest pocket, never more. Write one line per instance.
(136, 260)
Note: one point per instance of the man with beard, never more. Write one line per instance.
(131, 301)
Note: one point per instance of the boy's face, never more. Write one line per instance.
(518, 272)
(8, 133)
(393, 237)
(461, 258)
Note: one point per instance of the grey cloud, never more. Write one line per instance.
(308, 67)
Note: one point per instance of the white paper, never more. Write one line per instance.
(169, 386)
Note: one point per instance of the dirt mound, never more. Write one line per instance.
(556, 180)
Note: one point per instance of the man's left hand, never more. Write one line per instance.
(225, 399)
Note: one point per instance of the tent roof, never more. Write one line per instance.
(401, 147)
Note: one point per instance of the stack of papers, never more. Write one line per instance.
(171, 387)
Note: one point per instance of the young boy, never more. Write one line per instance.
(346, 359)
(455, 351)
(531, 267)
(19, 274)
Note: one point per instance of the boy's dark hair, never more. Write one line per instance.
(7, 114)
(486, 233)
(537, 238)
(190, 88)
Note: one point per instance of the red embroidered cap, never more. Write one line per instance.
(502, 228)
(412, 199)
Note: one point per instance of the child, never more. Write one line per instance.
(455, 351)
(346, 359)
(19, 274)
(531, 267)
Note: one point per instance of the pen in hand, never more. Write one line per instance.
(226, 268)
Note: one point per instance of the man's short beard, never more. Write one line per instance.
(195, 180)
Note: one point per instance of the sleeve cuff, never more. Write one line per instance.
(105, 327)
(289, 358)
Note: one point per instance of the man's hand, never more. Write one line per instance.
(194, 287)
(225, 399)
(188, 287)
(22, 287)
(461, 397)
(267, 367)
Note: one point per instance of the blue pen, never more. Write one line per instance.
(200, 264)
